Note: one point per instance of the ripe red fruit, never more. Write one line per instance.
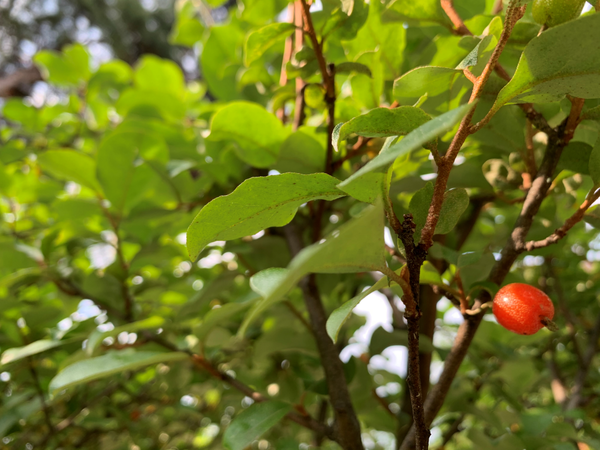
(523, 309)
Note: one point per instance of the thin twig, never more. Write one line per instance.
(459, 25)
(561, 232)
(205, 365)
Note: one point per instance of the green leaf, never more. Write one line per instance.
(430, 275)
(109, 364)
(455, 203)
(346, 20)
(260, 40)
(219, 315)
(562, 60)
(388, 40)
(353, 67)
(97, 336)
(412, 141)
(71, 165)
(592, 217)
(575, 157)
(594, 163)
(428, 80)
(382, 339)
(257, 133)
(340, 315)
(381, 122)
(253, 423)
(123, 180)
(475, 267)
(423, 10)
(302, 152)
(256, 204)
(154, 74)
(14, 354)
(265, 281)
(67, 69)
(355, 247)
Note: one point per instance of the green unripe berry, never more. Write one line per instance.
(555, 12)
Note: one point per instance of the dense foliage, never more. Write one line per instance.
(159, 237)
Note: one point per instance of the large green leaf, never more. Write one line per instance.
(381, 122)
(256, 204)
(257, 133)
(355, 247)
(109, 364)
(414, 140)
(253, 423)
(70, 165)
(562, 60)
(260, 40)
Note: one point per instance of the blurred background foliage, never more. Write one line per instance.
(104, 164)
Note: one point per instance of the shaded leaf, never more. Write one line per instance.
(97, 336)
(70, 165)
(340, 315)
(253, 423)
(109, 364)
(455, 203)
(260, 40)
(355, 247)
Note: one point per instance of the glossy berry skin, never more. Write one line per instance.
(520, 308)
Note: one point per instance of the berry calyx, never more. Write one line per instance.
(523, 309)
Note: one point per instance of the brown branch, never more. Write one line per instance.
(459, 25)
(415, 257)
(328, 74)
(287, 56)
(16, 84)
(300, 85)
(513, 15)
(561, 232)
(347, 424)
(510, 252)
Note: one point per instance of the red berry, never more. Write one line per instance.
(522, 309)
